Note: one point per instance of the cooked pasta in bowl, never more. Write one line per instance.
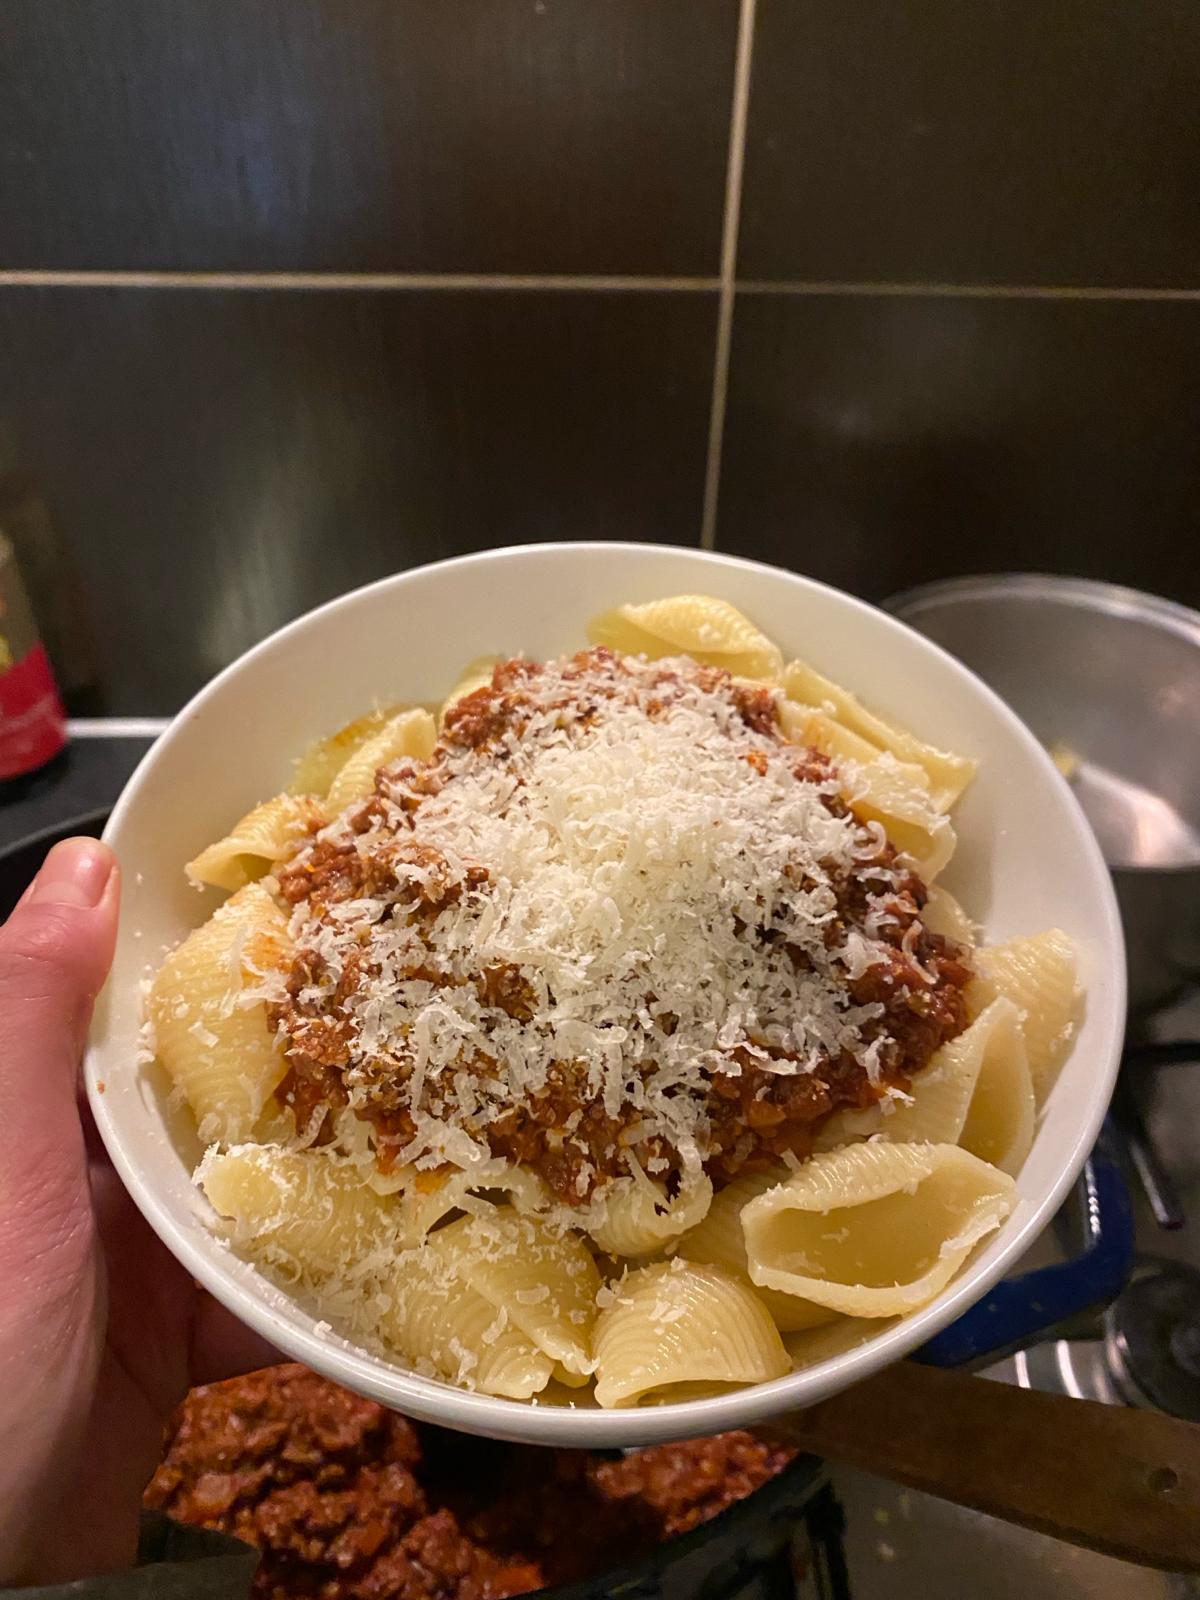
(687, 1006)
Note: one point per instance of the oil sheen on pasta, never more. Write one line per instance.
(616, 925)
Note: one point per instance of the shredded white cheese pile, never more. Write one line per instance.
(646, 882)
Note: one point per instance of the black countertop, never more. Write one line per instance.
(87, 777)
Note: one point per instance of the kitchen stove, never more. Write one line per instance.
(1145, 1348)
(1152, 1339)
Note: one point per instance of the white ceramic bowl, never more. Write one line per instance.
(1026, 860)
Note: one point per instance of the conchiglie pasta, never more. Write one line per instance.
(546, 1282)
(572, 1380)
(324, 759)
(708, 630)
(431, 1197)
(263, 837)
(476, 675)
(948, 774)
(436, 1320)
(412, 733)
(882, 791)
(837, 1338)
(676, 1326)
(874, 1230)
(896, 794)
(1037, 973)
(718, 1242)
(1002, 1112)
(638, 1218)
(805, 725)
(209, 1032)
(944, 915)
(975, 1092)
(307, 1211)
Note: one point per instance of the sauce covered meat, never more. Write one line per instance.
(827, 988)
(348, 1501)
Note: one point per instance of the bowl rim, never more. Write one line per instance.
(430, 1400)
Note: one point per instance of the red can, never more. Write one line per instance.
(33, 725)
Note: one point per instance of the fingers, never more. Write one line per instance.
(165, 1331)
(55, 950)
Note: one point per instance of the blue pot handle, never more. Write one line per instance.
(1019, 1309)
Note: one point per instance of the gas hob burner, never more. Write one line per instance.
(1152, 1338)
(1145, 1351)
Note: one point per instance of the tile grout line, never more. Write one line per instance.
(613, 282)
(956, 291)
(729, 245)
(38, 278)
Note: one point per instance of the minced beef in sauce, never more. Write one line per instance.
(755, 1115)
(348, 1501)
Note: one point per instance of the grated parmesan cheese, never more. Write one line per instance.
(660, 876)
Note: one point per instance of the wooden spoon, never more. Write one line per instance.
(1109, 1478)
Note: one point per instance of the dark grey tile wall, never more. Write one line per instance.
(877, 442)
(218, 458)
(998, 141)
(394, 135)
(219, 462)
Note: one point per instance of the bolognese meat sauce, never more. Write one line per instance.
(348, 1501)
(764, 961)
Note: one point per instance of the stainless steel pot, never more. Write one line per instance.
(1109, 679)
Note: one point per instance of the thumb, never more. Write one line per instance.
(55, 950)
(54, 953)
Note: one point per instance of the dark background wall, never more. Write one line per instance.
(294, 293)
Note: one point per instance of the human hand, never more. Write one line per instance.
(101, 1330)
